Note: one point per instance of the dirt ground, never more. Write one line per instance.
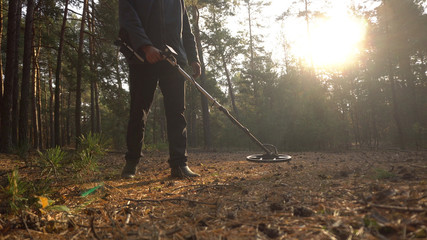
(318, 195)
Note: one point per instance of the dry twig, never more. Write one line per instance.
(408, 209)
(128, 214)
(92, 228)
(24, 219)
(169, 200)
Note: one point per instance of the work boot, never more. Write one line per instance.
(129, 171)
(183, 172)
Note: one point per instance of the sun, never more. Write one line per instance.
(332, 41)
(336, 40)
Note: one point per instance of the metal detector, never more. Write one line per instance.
(270, 156)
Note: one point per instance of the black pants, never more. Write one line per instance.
(143, 79)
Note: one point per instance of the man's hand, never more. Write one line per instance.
(196, 69)
(152, 54)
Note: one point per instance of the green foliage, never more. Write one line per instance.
(42, 186)
(382, 174)
(46, 204)
(15, 192)
(20, 194)
(85, 163)
(92, 148)
(51, 161)
(156, 147)
(370, 223)
(94, 144)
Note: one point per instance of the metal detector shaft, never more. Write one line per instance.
(173, 62)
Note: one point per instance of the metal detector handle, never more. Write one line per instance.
(119, 42)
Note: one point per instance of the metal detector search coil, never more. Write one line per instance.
(260, 158)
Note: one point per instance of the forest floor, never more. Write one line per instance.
(318, 195)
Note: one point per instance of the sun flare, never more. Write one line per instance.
(333, 41)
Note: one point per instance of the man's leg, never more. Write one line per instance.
(172, 85)
(142, 85)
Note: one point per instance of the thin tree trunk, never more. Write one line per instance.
(155, 116)
(207, 135)
(45, 113)
(423, 68)
(51, 100)
(97, 112)
(355, 124)
(230, 86)
(34, 118)
(26, 74)
(57, 117)
(80, 61)
(192, 138)
(90, 21)
(252, 56)
(68, 124)
(92, 105)
(39, 94)
(11, 54)
(307, 21)
(227, 73)
(396, 116)
(396, 112)
(373, 113)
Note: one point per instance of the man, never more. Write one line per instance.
(147, 26)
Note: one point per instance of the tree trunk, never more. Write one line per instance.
(96, 116)
(91, 28)
(15, 98)
(11, 54)
(407, 74)
(394, 100)
(80, 62)
(57, 117)
(26, 75)
(396, 116)
(1, 53)
(207, 135)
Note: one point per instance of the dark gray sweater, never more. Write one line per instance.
(158, 23)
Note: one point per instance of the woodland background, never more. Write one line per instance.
(61, 77)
